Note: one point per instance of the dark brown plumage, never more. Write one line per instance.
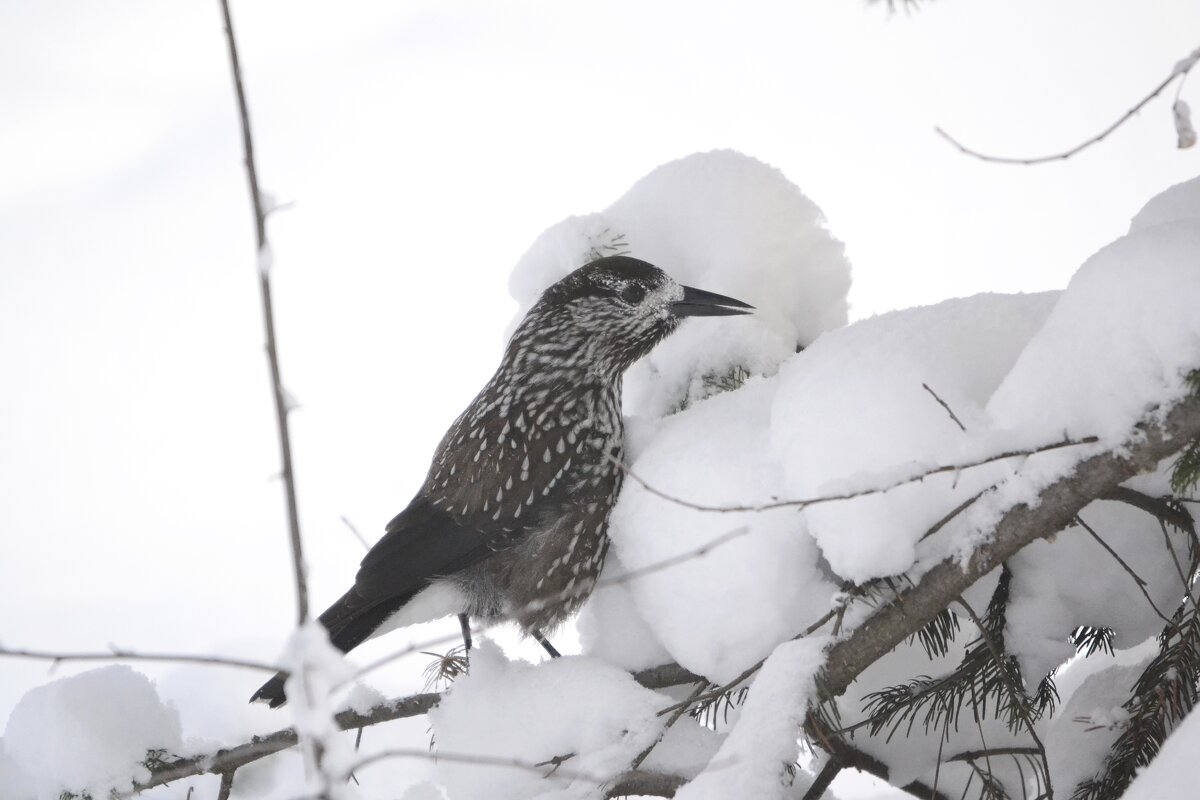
(511, 519)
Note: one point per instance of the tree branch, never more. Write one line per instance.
(851, 495)
(229, 759)
(117, 654)
(1058, 504)
(643, 782)
(1181, 69)
(263, 250)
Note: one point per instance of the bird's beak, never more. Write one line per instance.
(699, 303)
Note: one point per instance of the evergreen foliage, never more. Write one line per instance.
(1185, 475)
(1163, 695)
(979, 683)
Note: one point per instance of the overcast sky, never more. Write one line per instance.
(425, 145)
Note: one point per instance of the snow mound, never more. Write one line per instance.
(719, 221)
(1118, 342)
(1181, 201)
(89, 732)
(853, 412)
(735, 584)
(514, 711)
(751, 761)
(1054, 582)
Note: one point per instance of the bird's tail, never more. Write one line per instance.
(350, 622)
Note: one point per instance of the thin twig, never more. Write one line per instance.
(117, 654)
(747, 673)
(1183, 578)
(972, 755)
(830, 498)
(1182, 68)
(478, 759)
(699, 690)
(357, 534)
(946, 406)
(1141, 583)
(263, 251)
(961, 507)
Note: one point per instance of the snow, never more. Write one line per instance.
(718, 613)
(751, 762)
(1048, 600)
(1117, 343)
(1088, 723)
(1179, 202)
(316, 669)
(521, 712)
(612, 628)
(89, 732)
(854, 408)
(720, 221)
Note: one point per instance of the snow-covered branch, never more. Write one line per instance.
(226, 760)
(1157, 438)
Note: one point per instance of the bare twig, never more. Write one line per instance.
(226, 785)
(479, 759)
(117, 654)
(263, 250)
(830, 498)
(699, 690)
(1141, 583)
(946, 406)
(357, 534)
(973, 755)
(1181, 69)
(954, 512)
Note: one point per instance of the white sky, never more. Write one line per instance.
(425, 145)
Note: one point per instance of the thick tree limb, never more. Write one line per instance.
(642, 782)
(1020, 526)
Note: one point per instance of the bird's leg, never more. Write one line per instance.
(544, 642)
(464, 622)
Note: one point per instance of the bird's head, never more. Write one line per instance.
(606, 315)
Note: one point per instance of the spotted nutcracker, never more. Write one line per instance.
(512, 518)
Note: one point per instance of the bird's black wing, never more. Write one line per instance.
(422, 542)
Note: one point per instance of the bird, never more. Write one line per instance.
(511, 520)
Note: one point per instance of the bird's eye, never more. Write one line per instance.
(633, 294)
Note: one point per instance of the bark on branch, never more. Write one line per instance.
(229, 759)
(1021, 525)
